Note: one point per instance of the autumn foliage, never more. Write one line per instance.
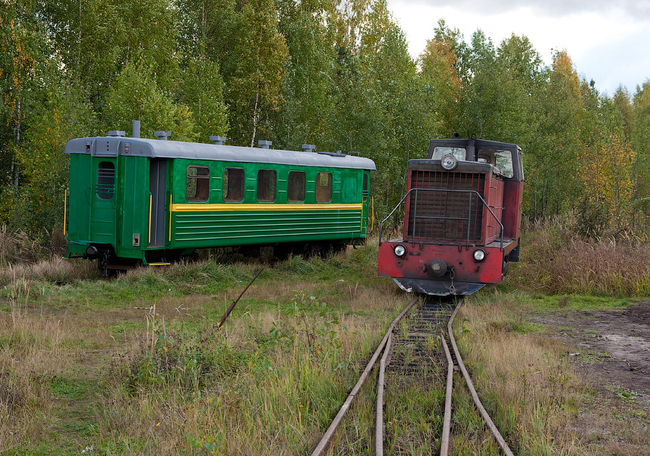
(335, 74)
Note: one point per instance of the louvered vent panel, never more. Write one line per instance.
(436, 213)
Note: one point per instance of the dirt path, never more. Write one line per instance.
(611, 347)
(611, 350)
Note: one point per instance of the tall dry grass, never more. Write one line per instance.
(528, 376)
(555, 260)
(24, 258)
(532, 390)
(31, 355)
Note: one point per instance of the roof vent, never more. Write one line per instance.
(136, 128)
(218, 140)
(118, 133)
(308, 147)
(265, 144)
(162, 135)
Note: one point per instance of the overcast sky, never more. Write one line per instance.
(608, 41)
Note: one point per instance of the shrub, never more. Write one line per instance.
(556, 259)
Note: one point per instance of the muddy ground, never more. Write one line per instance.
(611, 350)
(612, 347)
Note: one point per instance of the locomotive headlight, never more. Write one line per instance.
(479, 255)
(449, 162)
(399, 250)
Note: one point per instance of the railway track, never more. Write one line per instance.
(406, 352)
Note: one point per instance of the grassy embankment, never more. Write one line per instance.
(136, 365)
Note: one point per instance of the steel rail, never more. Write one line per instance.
(446, 425)
(325, 440)
(495, 432)
(379, 430)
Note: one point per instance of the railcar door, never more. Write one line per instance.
(365, 200)
(103, 200)
(158, 190)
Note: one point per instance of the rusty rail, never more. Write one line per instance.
(495, 432)
(379, 422)
(325, 440)
(234, 303)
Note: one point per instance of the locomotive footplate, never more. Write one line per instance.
(437, 288)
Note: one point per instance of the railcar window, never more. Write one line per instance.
(459, 152)
(197, 187)
(266, 185)
(323, 187)
(365, 187)
(503, 162)
(296, 187)
(105, 180)
(233, 185)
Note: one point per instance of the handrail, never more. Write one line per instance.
(468, 218)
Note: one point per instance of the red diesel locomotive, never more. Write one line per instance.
(462, 216)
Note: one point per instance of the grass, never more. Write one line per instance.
(531, 389)
(136, 365)
(526, 384)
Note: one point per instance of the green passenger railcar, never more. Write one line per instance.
(135, 200)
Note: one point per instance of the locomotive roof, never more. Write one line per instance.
(465, 142)
(111, 146)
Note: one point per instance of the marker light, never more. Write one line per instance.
(399, 250)
(449, 162)
(479, 255)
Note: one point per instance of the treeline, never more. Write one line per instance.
(334, 73)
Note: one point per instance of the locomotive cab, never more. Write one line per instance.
(462, 216)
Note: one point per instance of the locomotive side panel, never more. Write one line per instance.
(494, 189)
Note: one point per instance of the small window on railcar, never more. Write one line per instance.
(197, 187)
(503, 162)
(266, 185)
(459, 152)
(233, 185)
(296, 187)
(105, 180)
(323, 187)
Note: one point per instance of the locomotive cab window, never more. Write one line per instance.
(197, 188)
(105, 180)
(233, 185)
(266, 185)
(459, 152)
(296, 187)
(503, 162)
(323, 187)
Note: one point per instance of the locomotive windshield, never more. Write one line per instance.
(440, 151)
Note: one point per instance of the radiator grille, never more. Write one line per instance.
(443, 216)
